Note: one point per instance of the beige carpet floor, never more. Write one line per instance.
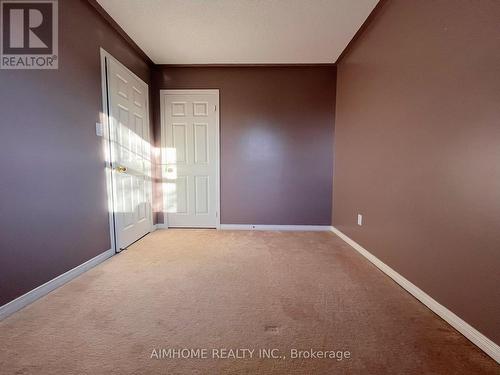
(204, 289)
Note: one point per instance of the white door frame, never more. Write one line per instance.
(106, 141)
(217, 142)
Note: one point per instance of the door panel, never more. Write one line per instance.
(190, 157)
(130, 154)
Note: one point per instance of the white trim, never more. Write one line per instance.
(189, 91)
(49, 286)
(217, 134)
(297, 228)
(105, 53)
(159, 226)
(484, 343)
(107, 145)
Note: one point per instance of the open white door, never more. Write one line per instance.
(130, 154)
(190, 157)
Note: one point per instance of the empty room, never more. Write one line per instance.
(249, 187)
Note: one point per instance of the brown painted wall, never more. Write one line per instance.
(418, 150)
(277, 128)
(53, 210)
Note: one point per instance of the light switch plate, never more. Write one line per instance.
(98, 129)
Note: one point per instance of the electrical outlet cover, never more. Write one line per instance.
(360, 219)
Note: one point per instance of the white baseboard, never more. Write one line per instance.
(476, 337)
(159, 226)
(312, 228)
(49, 286)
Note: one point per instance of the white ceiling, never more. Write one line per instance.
(240, 31)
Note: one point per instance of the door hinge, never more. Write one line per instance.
(216, 214)
(215, 108)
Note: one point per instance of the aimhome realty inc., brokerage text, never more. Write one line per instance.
(247, 353)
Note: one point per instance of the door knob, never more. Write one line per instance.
(121, 169)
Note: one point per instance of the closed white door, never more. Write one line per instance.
(130, 154)
(190, 157)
